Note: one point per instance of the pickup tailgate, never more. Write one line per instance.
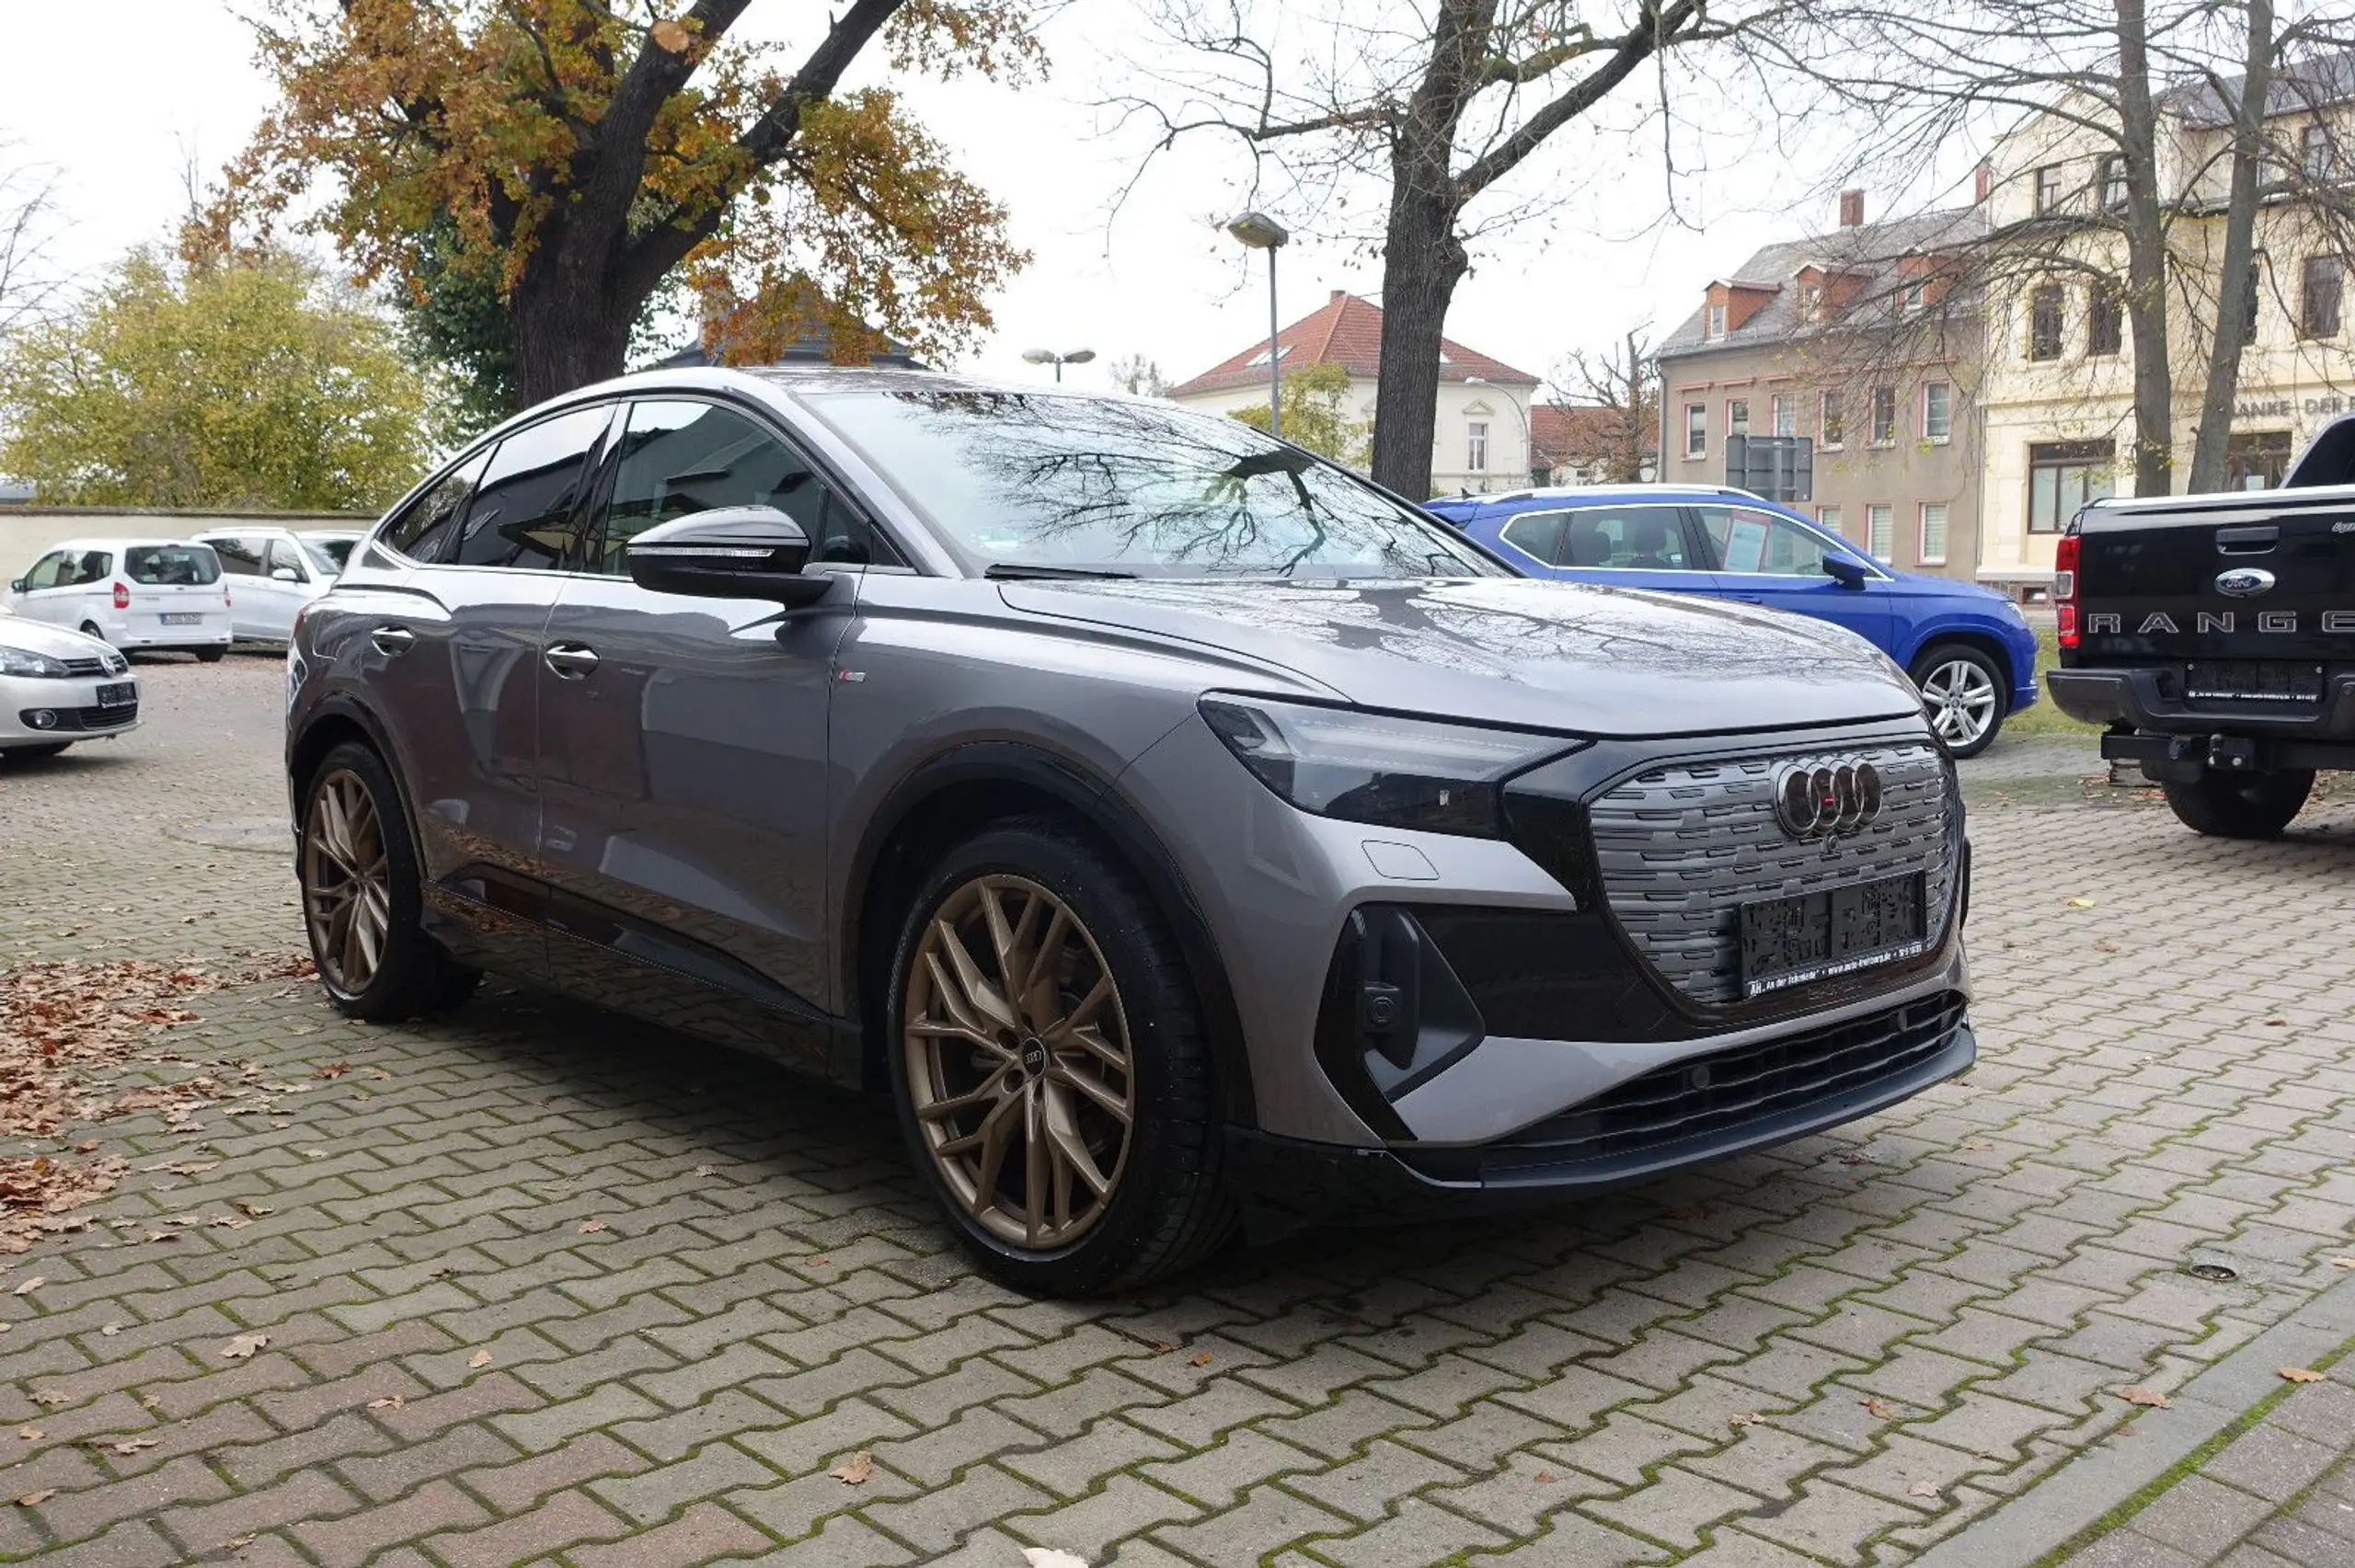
(2250, 594)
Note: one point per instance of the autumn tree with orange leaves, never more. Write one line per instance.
(569, 159)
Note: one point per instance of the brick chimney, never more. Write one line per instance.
(1338, 294)
(1851, 208)
(1982, 180)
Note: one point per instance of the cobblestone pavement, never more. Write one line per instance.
(540, 1285)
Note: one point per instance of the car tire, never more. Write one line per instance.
(90, 629)
(989, 1091)
(2226, 804)
(35, 751)
(210, 655)
(356, 868)
(1966, 695)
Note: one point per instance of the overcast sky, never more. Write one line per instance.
(165, 78)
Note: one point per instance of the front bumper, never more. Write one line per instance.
(71, 705)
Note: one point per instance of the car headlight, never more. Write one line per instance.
(24, 661)
(1369, 767)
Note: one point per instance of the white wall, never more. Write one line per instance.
(27, 531)
(1504, 409)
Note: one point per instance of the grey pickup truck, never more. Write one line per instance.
(2214, 637)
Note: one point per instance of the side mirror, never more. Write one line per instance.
(730, 553)
(17, 585)
(285, 574)
(1845, 571)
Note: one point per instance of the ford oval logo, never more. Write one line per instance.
(2244, 582)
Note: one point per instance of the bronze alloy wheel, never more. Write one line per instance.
(1019, 1065)
(346, 881)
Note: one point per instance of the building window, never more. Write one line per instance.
(1829, 518)
(1696, 430)
(1831, 420)
(2047, 189)
(2063, 476)
(1938, 411)
(1260, 358)
(1476, 446)
(1917, 294)
(1737, 415)
(1878, 531)
(2105, 320)
(2113, 181)
(1716, 326)
(2256, 460)
(1810, 302)
(1786, 414)
(1933, 534)
(2314, 152)
(2326, 282)
(1884, 416)
(2044, 322)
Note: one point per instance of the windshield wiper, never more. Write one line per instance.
(1018, 570)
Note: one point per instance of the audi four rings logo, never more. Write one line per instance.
(1823, 798)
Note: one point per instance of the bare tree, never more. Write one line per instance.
(1437, 105)
(2174, 106)
(29, 222)
(1136, 374)
(1614, 398)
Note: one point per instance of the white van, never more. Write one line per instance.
(151, 594)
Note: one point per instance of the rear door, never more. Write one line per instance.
(176, 594)
(1765, 558)
(241, 565)
(1632, 544)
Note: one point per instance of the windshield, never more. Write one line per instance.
(328, 553)
(1016, 481)
(171, 565)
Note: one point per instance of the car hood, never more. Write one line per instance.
(38, 636)
(1591, 660)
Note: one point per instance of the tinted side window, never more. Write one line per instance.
(1626, 539)
(240, 557)
(680, 458)
(91, 565)
(1537, 533)
(51, 570)
(171, 565)
(425, 524)
(525, 511)
(1761, 542)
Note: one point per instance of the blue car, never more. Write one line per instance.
(1967, 647)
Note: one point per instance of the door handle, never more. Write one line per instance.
(392, 641)
(569, 661)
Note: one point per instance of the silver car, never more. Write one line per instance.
(1184, 832)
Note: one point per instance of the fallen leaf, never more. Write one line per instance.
(2277, 1022)
(87, 1145)
(1747, 1418)
(243, 1347)
(703, 1170)
(1162, 1347)
(590, 1226)
(2300, 1374)
(1879, 1408)
(253, 1210)
(110, 1330)
(30, 1434)
(670, 36)
(315, 1154)
(35, 1499)
(480, 1358)
(1979, 1145)
(1923, 1489)
(2079, 903)
(2149, 1398)
(2342, 1263)
(133, 1445)
(29, 1286)
(1857, 1157)
(856, 1470)
(1201, 1358)
(333, 1069)
(1548, 1477)
(390, 1401)
(1052, 1557)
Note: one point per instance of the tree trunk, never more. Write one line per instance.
(570, 330)
(2146, 261)
(1422, 261)
(2234, 278)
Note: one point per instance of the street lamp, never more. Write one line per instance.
(1048, 357)
(1260, 231)
(1528, 441)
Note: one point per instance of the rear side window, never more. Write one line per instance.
(680, 458)
(240, 557)
(1537, 534)
(171, 565)
(424, 527)
(1634, 539)
(526, 508)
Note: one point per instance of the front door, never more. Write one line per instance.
(1643, 545)
(683, 751)
(1771, 560)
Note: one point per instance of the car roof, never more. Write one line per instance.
(118, 543)
(1601, 494)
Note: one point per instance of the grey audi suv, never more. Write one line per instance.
(1183, 831)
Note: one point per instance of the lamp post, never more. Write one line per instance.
(1528, 441)
(1260, 231)
(1048, 357)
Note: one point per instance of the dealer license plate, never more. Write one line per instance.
(183, 618)
(1814, 936)
(119, 695)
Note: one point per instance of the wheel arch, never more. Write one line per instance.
(956, 795)
(1978, 640)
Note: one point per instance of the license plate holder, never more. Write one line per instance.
(1816, 936)
(119, 694)
(2253, 680)
(183, 618)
